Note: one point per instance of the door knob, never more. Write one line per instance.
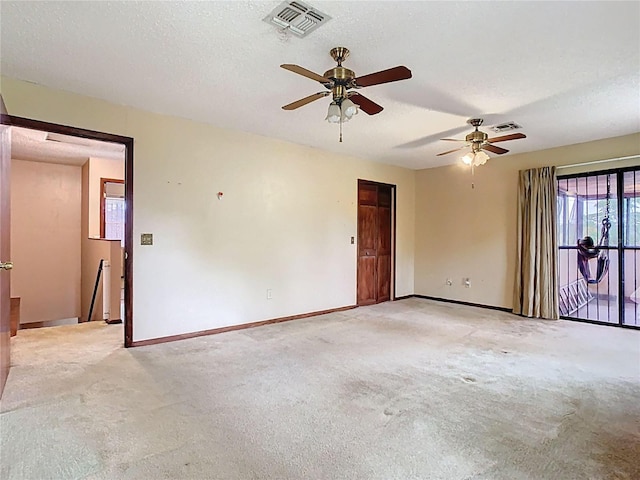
(6, 265)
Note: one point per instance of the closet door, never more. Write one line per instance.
(367, 242)
(374, 243)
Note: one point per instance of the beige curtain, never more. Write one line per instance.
(536, 285)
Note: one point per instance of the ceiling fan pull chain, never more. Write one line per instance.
(473, 185)
(340, 128)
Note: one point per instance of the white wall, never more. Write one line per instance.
(45, 240)
(284, 222)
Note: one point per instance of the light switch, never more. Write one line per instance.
(353, 240)
(146, 239)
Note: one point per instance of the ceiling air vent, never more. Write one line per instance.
(504, 127)
(297, 17)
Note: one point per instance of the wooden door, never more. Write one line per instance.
(367, 242)
(374, 243)
(5, 290)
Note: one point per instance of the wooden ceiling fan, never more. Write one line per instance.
(478, 140)
(339, 80)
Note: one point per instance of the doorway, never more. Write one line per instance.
(599, 247)
(127, 238)
(376, 242)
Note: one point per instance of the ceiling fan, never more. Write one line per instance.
(480, 141)
(338, 81)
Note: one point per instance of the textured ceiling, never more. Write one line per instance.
(37, 146)
(568, 72)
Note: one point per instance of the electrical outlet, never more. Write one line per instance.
(449, 282)
(466, 282)
(269, 294)
(353, 240)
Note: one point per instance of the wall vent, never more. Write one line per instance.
(297, 17)
(504, 127)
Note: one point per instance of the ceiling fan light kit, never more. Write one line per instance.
(341, 112)
(339, 80)
(475, 159)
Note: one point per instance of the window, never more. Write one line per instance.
(114, 219)
(112, 209)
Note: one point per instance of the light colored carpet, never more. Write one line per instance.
(406, 390)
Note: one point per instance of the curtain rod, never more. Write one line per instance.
(597, 161)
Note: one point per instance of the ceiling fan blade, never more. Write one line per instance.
(385, 76)
(305, 100)
(493, 148)
(305, 73)
(451, 151)
(366, 105)
(504, 138)
(453, 140)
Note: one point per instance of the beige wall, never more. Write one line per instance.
(100, 168)
(45, 240)
(284, 222)
(464, 232)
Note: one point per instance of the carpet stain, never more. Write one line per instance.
(618, 455)
(469, 379)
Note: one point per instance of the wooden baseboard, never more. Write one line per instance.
(460, 302)
(213, 331)
(49, 323)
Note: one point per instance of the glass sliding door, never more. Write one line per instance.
(588, 291)
(599, 247)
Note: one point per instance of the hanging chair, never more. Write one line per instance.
(587, 250)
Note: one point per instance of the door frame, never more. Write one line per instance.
(103, 201)
(128, 198)
(394, 202)
(5, 247)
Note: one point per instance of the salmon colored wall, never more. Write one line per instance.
(45, 240)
